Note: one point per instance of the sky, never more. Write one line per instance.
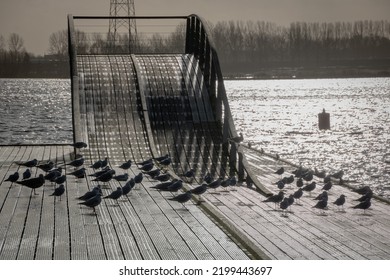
(35, 20)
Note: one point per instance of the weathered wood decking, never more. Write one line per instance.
(146, 225)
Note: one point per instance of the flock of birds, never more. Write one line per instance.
(155, 168)
(304, 181)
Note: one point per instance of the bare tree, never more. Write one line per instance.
(58, 43)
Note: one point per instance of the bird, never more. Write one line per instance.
(319, 174)
(175, 186)
(29, 163)
(53, 174)
(215, 184)
(126, 165)
(276, 198)
(362, 190)
(363, 205)
(327, 179)
(321, 204)
(145, 162)
(237, 139)
(280, 171)
(163, 186)
(284, 205)
(165, 162)
(115, 194)
(26, 174)
(340, 201)
(79, 173)
(93, 201)
(97, 164)
(182, 198)
(105, 177)
(308, 176)
(104, 162)
(189, 174)
(153, 173)
(309, 187)
(33, 183)
(121, 178)
(368, 194)
(138, 178)
(59, 191)
(298, 194)
(208, 178)
(233, 181)
(162, 177)
(100, 172)
(199, 190)
(60, 180)
(280, 184)
(322, 196)
(327, 186)
(289, 179)
(299, 183)
(160, 158)
(79, 145)
(147, 167)
(338, 174)
(13, 177)
(91, 193)
(77, 162)
(46, 167)
(225, 183)
(128, 186)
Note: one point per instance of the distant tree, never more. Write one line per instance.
(16, 47)
(58, 43)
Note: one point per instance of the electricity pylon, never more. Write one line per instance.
(122, 31)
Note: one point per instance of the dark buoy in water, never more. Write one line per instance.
(324, 120)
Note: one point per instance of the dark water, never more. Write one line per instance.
(280, 116)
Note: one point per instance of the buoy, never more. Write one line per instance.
(324, 120)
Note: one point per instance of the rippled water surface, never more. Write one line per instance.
(280, 116)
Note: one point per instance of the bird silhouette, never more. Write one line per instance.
(126, 165)
(327, 186)
(319, 174)
(322, 205)
(29, 163)
(128, 186)
(362, 190)
(145, 162)
(121, 178)
(91, 193)
(368, 194)
(153, 173)
(308, 176)
(233, 181)
(299, 183)
(60, 180)
(53, 174)
(161, 157)
(138, 178)
(280, 171)
(33, 183)
(363, 205)
(199, 190)
(182, 198)
(340, 201)
(338, 175)
(162, 177)
(115, 194)
(280, 184)
(79, 145)
(104, 162)
(97, 164)
(147, 167)
(165, 162)
(284, 205)
(322, 196)
(26, 174)
(276, 198)
(59, 191)
(290, 200)
(189, 173)
(105, 177)
(175, 186)
(309, 187)
(77, 162)
(46, 167)
(215, 184)
(79, 173)
(100, 172)
(298, 194)
(207, 178)
(93, 201)
(13, 177)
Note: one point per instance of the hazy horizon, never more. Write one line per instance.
(35, 20)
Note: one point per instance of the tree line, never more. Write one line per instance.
(242, 46)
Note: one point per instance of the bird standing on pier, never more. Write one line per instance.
(33, 183)
(309, 187)
(280, 171)
(340, 201)
(59, 191)
(105, 177)
(79, 173)
(12, 178)
(79, 145)
(322, 205)
(182, 198)
(115, 195)
(30, 163)
(93, 201)
(276, 198)
(77, 162)
(199, 190)
(363, 205)
(284, 205)
(126, 165)
(138, 178)
(128, 186)
(298, 194)
(26, 174)
(91, 193)
(175, 186)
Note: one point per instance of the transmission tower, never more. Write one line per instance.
(122, 32)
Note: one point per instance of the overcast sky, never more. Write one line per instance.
(35, 20)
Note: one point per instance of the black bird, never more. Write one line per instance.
(97, 164)
(327, 186)
(289, 179)
(138, 178)
(13, 177)
(100, 172)
(322, 204)
(199, 190)
(33, 183)
(363, 190)
(165, 162)
(79, 173)
(147, 167)
(105, 177)
(300, 183)
(338, 175)
(128, 186)
(77, 162)
(298, 194)
(280, 184)
(145, 162)
(327, 179)
(79, 145)
(59, 191)
(189, 174)
(162, 177)
(308, 176)
(93, 201)
(182, 198)
(161, 157)
(309, 187)
(30, 163)
(290, 200)
(104, 162)
(121, 178)
(284, 205)
(163, 186)
(115, 194)
(175, 186)
(26, 174)
(340, 201)
(91, 193)
(60, 180)
(225, 183)
(46, 166)
(53, 174)
(215, 184)
(322, 196)
(233, 181)
(126, 165)
(153, 173)
(276, 198)
(368, 194)
(319, 174)
(363, 205)
(208, 178)
(280, 171)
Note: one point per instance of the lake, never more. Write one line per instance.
(279, 116)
